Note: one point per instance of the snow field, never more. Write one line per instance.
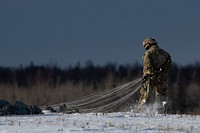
(120, 122)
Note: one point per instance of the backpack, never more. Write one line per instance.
(166, 60)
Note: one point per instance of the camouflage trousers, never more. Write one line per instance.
(154, 90)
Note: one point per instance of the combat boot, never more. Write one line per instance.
(161, 104)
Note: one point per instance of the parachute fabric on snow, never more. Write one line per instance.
(101, 101)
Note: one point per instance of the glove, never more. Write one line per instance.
(145, 77)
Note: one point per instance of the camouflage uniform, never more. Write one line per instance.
(156, 65)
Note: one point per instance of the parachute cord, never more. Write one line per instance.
(103, 100)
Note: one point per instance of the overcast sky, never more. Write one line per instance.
(71, 31)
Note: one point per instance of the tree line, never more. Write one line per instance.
(49, 84)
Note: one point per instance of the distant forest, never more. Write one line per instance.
(49, 84)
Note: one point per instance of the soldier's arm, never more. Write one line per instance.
(148, 64)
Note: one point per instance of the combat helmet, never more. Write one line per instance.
(150, 41)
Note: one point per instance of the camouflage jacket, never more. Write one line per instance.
(156, 60)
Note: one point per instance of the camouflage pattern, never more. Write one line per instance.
(156, 63)
(149, 41)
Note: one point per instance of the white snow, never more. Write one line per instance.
(120, 122)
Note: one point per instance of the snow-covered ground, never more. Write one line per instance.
(121, 122)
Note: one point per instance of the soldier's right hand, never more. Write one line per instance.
(145, 78)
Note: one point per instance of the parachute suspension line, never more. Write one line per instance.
(92, 96)
(114, 104)
(104, 100)
(107, 95)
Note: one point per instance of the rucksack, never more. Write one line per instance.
(166, 60)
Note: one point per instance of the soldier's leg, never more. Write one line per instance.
(161, 97)
(143, 95)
